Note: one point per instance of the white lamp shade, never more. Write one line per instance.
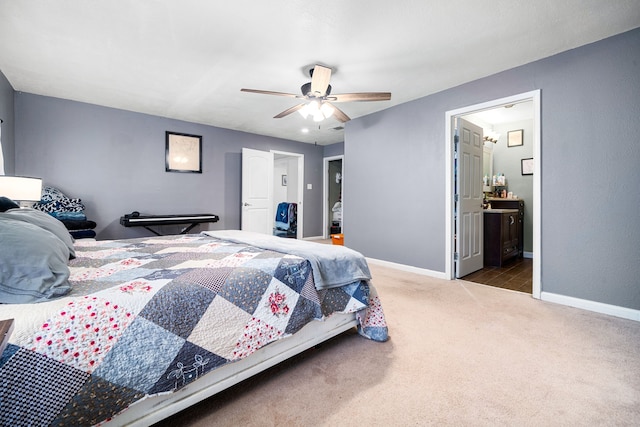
(21, 188)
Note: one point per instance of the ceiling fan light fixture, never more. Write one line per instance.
(327, 110)
(304, 111)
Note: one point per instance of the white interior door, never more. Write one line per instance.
(469, 224)
(257, 191)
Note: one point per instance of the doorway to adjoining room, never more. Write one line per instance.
(333, 207)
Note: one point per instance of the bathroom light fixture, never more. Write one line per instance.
(23, 190)
(492, 136)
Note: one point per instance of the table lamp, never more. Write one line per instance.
(23, 190)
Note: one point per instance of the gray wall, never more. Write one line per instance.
(590, 100)
(6, 114)
(334, 149)
(114, 160)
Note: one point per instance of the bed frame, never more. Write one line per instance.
(156, 408)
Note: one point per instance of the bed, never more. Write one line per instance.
(143, 328)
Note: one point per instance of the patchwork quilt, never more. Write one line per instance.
(150, 315)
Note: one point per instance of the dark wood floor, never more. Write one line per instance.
(516, 275)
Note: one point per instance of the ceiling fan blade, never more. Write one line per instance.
(268, 92)
(289, 111)
(339, 114)
(365, 96)
(320, 80)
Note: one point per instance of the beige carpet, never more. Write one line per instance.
(460, 353)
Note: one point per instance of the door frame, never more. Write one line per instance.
(533, 96)
(300, 189)
(325, 194)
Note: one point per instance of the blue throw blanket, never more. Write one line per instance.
(333, 266)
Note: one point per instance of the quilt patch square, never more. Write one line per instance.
(103, 397)
(191, 363)
(304, 312)
(244, 287)
(133, 295)
(168, 274)
(82, 333)
(187, 301)
(210, 278)
(293, 272)
(277, 305)
(309, 290)
(219, 328)
(256, 335)
(29, 398)
(334, 300)
(126, 275)
(357, 290)
(131, 356)
(184, 256)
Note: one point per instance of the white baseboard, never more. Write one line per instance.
(526, 254)
(314, 238)
(598, 307)
(408, 268)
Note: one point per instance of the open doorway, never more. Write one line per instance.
(507, 192)
(270, 178)
(288, 170)
(332, 200)
(454, 241)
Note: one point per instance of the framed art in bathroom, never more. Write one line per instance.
(526, 166)
(514, 138)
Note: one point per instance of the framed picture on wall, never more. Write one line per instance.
(526, 166)
(183, 152)
(514, 137)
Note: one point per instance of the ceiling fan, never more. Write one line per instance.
(318, 101)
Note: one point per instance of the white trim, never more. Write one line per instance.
(598, 307)
(537, 179)
(593, 306)
(408, 268)
(325, 191)
(526, 254)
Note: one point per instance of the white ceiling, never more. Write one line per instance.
(188, 59)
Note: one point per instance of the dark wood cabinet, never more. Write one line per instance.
(513, 204)
(500, 236)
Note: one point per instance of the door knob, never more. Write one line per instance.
(246, 204)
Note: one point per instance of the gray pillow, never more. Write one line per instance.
(43, 220)
(33, 263)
